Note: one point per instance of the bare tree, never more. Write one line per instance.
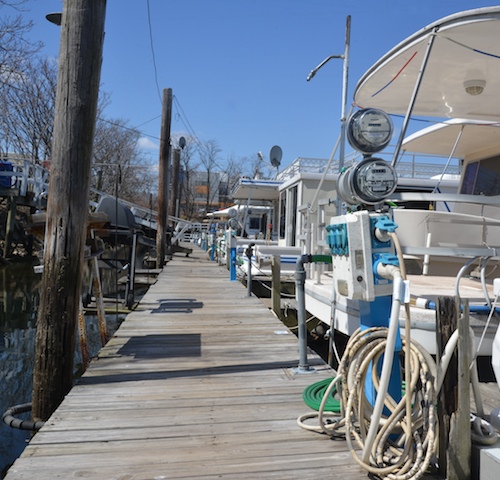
(232, 173)
(117, 166)
(209, 158)
(16, 66)
(28, 110)
(256, 166)
(15, 49)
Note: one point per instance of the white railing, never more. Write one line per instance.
(410, 165)
(27, 177)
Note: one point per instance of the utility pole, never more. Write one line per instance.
(163, 177)
(174, 198)
(80, 57)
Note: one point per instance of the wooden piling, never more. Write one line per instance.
(163, 178)
(80, 58)
(454, 397)
(276, 285)
(9, 230)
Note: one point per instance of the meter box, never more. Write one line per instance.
(355, 249)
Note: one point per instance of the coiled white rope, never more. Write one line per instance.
(400, 444)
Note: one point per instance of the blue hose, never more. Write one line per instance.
(472, 308)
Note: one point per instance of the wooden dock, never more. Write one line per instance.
(199, 382)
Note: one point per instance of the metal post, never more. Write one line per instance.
(231, 253)
(300, 280)
(131, 273)
(249, 254)
(413, 97)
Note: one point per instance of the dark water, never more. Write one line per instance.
(19, 300)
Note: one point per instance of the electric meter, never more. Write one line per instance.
(233, 223)
(369, 130)
(370, 181)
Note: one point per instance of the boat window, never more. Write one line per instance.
(482, 178)
(282, 213)
(293, 215)
(254, 223)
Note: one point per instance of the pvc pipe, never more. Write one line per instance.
(386, 367)
(300, 279)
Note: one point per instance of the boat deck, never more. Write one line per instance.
(198, 382)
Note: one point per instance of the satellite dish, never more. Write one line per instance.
(275, 156)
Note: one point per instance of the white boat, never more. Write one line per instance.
(447, 73)
(453, 67)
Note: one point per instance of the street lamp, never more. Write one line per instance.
(54, 18)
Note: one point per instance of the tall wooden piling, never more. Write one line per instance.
(174, 196)
(80, 57)
(163, 178)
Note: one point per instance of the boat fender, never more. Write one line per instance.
(9, 418)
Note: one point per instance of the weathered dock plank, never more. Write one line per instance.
(198, 382)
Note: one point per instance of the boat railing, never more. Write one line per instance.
(410, 165)
(25, 176)
(312, 236)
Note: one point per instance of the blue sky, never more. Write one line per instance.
(238, 68)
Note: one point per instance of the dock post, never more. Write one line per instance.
(276, 285)
(231, 241)
(163, 178)
(80, 57)
(454, 397)
(213, 244)
(300, 280)
(249, 254)
(11, 223)
(99, 301)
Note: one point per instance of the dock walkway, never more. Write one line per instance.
(198, 382)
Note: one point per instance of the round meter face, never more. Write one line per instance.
(374, 180)
(369, 130)
(370, 182)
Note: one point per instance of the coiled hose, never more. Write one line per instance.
(400, 444)
(404, 442)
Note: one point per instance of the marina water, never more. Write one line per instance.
(19, 301)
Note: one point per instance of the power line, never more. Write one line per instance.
(189, 128)
(153, 50)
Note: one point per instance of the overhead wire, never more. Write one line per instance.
(151, 44)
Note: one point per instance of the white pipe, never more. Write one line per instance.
(427, 258)
(386, 366)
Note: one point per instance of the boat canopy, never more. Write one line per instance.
(461, 78)
(256, 189)
(467, 139)
(225, 212)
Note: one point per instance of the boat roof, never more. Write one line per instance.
(467, 139)
(466, 48)
(239, 208)
(254, 189)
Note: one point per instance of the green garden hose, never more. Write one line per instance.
(313, 395)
